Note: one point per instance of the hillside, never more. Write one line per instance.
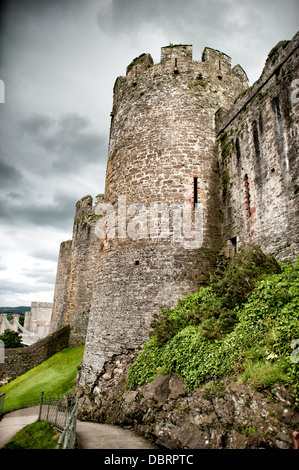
(15, 310)
(54, 377)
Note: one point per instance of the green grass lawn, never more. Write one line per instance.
(54, 377)
(38, 435)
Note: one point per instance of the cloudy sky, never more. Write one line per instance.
(58, 61)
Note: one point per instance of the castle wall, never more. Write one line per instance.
(17, 361)
(162, 140)
(258, 158)
(75, 274)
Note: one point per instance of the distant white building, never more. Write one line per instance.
(38, 319)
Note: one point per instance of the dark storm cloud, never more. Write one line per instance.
(9, 176)
(243, 29)
(35, 8)
(36, 124)
(131, 14)
(56, 214)
(215, 14)
(71, 140)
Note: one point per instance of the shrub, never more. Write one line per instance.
(11, 339)
(256, 347)
(214, 307)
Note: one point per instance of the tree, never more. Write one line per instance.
(11, 339)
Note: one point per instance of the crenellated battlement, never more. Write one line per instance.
(178, 59)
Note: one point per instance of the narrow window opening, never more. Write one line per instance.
(238, 150)
(219, 65)
(137, 262)
(195, 192)
(234, 243)
(261, 124)
(247, 197)
(256, 139)
(176, 66)
(135, 77)
(232, 247)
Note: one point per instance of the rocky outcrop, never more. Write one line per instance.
(218, 416)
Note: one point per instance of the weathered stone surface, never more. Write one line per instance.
(162, 138)
(177, 387)
(158, 389)
(75, 273)
(241, 418)
(20, 360)
(258, 159)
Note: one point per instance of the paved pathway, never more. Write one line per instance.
(89, 435)
(12, 422)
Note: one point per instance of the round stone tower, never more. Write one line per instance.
(160, 223)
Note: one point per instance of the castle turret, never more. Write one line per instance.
(75, 273)
(160, 221)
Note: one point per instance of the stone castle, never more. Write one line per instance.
(189, 141)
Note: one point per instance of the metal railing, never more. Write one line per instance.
(67, 438)
(62, 413)
(2, 396)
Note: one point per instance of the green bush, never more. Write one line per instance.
(256, 346)
(214, 307)
(11, 339)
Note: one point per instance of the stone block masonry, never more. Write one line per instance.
(20, 360)
(162, 147)
(258, 158)
(75, 273)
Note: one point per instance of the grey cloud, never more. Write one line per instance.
(128, 15)
(45, 254)
(70, 141)
(36, 124)
(57, 214)
(16, 287)
(74, 122)
(44, 278)
(13, 195)
(244, 30)
(9, 176)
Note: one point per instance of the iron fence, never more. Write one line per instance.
(2, 396)
(67, 438)
(62, 413)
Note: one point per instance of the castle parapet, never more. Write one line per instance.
(177, 58)
(139, 65)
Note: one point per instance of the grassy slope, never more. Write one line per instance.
(54, 377)
(258, 348)
(38, 435)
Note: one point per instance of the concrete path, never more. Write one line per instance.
(89, 435)
(106, 436)
(14, 421)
